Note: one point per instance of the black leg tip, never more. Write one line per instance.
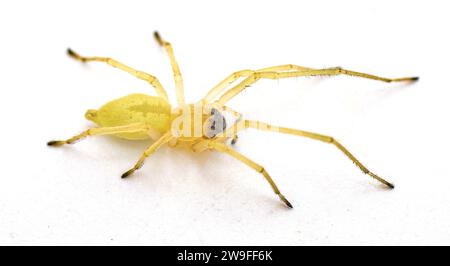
(415, 79)
(70, 52)
(285, 201)
(158, 37)
(55, 143)
(289, 205)
(127, 173)
(76, 56)
(391, 186)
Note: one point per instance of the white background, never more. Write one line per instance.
(74, 195)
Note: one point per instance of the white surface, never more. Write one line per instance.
(74, 195)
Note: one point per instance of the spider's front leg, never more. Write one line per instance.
(275, 75)
(149, 151)
(281, 72)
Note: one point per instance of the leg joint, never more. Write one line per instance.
(261, 170)
(339, 70)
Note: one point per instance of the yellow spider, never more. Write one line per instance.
(199, 126)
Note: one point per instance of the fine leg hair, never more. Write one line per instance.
(149, 151)
(280, 72)
(225, 149)
(176, 70)
(327, 139)
(139, 74)
(137, 127)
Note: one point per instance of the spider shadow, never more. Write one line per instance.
(208, 170)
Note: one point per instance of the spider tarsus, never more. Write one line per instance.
(381, 180)
(289, 204)
(71, 53)
(55, 143)
(158, 37)
(285, 201)
(390, 185)
(74, 55)
(409, 79)
(127, 173)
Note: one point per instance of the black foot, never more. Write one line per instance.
(127, 173)
(158, 38)
(55, 143)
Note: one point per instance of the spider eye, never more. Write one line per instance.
(215, 124)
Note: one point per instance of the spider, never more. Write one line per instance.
(200, 126)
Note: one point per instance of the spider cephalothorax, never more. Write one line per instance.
(200, 126)
(195, 121)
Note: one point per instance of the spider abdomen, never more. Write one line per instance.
(134, 108)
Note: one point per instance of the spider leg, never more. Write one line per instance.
(138, 127)
(149, 151)
(139, 74)
(225, 149)
(176, 70)
(327, 139)
(219, 88)
(234, 139)
(289, 71)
